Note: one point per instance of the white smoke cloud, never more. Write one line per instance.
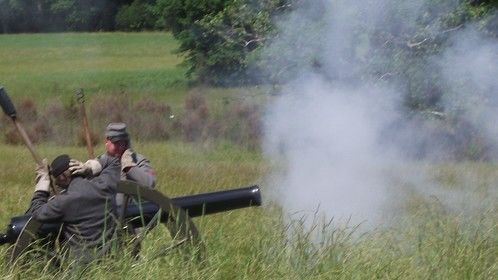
(328, 135)
(330, 127)
(470, 70)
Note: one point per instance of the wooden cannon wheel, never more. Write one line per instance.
(181, 228)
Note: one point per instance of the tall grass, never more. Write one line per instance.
(427, 242)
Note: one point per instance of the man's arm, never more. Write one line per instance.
(143, 174)
(41, 208)
(138, 169)
(45, 210)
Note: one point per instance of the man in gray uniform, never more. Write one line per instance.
(134, 167)
(86, 207)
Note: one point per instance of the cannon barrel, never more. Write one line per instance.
(205, 203)
(195, 205)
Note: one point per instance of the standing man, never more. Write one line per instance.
(134, 167)
(86, 207)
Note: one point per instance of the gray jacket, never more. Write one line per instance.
(87, 208)
(143, 173)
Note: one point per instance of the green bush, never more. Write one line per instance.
(137, 16)
(217, 36)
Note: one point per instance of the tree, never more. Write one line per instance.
(57, 15)
(137, 16)
(85, 15)
(217, 36)
(23, 15)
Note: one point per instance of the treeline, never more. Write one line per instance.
(28, 16)
(78, 15)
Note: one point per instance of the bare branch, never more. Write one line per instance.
(285, 6)
(256, 40)
(451, 29)
(388, 74)
(412, 45)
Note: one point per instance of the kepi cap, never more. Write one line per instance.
(116, 132)
(59, 165)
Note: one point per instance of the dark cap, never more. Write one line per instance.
(59, 165)
(116, 132)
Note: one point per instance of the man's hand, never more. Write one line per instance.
(128, 160)
(90, 168)
(42, 179)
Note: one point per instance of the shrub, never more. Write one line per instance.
(27, 115)
(94, 137)
(58, 122)
(147, 119)
(196, 118)
(136, 17)
(217, 37)
(243, 125)
(151, 121)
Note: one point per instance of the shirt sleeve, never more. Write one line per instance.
(44, 210)
(142, 173)
(104, 160)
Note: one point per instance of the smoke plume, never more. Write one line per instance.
(340, 126)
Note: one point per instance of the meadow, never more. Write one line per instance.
(47, 65)
(44, 66)
(428, 241)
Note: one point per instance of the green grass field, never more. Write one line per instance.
(429, 241)
(42, 66)
(48, 65)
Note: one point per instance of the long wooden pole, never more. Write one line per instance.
(10, 110)
(89, 145)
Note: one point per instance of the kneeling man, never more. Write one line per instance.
(86, 207)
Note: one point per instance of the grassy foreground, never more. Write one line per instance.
(259, 243)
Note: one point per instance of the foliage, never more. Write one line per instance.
(137, 16)
(217, 36)
(56, 15)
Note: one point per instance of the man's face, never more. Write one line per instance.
(115, 148)
(63, 180)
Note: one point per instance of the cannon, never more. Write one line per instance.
(150, 208)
